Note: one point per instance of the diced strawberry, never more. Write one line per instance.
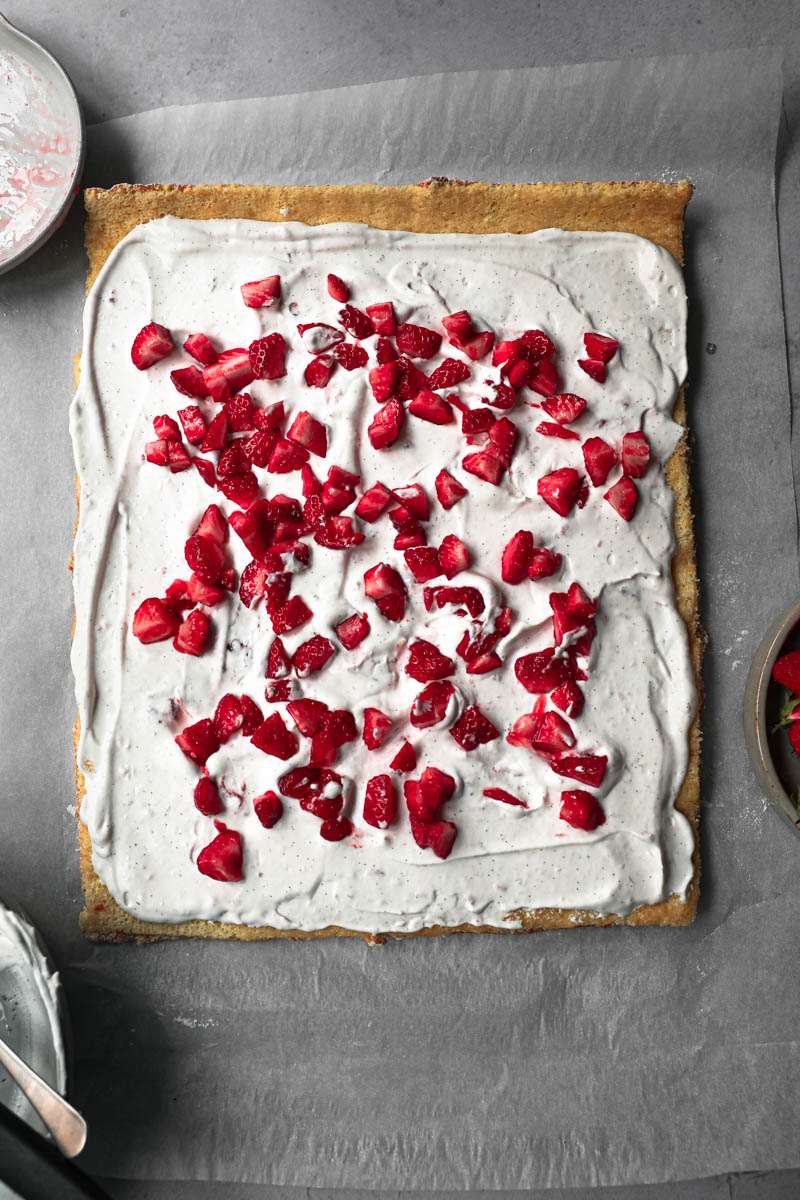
(569, 698)
(412, 497)
(308, 715)
(550, 429)
(262, 293)
(151, 344)
(435, 789)
(323, 750)
(312, 656)
(383, 581)
(319, 337)
(157, 452)
(586, 768)
(337, 533)
(216, 435)
(380, 802)
(386, 424)
(286, 456)
(383, 319)
(319, 370)
(473, 729)
(635, 454)
(194, 426)
(338, 289)
(233, 367)
(275, 738)
(178, 458)
(458, 326)
(306, 783)
(291, 615)
(476, 421)
(484, 663)
(277, 592)
(430, 706)
(201, 349)
(546, 380)
(542, 671)
(205, 557)
(502, 440)
(335, 829)
(233, 460)
(521, 373)
(335, 499)
(155, 620)
(623, 496)
(341, 725)
(599, 458)
(786, 671)
(213, 525)
(578, 603)
(206, 797)
(525, 729)
(600, 347)
(504, 397)
(278, 662)
(484, 465)
(352, 631)
(177, 594)
(222, 858)
(453, 555)
(269, 418)
(405, 760)
(192, 634)
(240, 414)
(504, 797)
(468, 597)
(311, 486)
(253, 583)
(310, 433)
(267, 357)
(356, 322)
(560, 489)
(376, 727)
(258, 448)
(338, 477)
(199, 741)
(417, 341)
(564, 622)
(429, 407)
(448, 490)
(383, 380)
(373, 502)
(251, 714)
(426, 662)
(594, 368)
(506, 353)
(349, 356)
(411, 381)
(564, 408)
(385, 351)
(268, 808)
(553, 735)
(448, 374)
(516, 560)
(189, 381)
(581, 810)
(241, 489)
(437, 836)
(423, 563)
(278, 691)
(228, 717)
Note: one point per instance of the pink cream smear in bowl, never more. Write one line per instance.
(41, 145)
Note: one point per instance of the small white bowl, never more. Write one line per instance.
(42, 145)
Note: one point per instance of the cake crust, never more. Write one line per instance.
(650, 210)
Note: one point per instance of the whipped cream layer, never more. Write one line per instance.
(135, 517)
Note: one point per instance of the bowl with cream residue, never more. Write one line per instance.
(42, 144)
(776, 766)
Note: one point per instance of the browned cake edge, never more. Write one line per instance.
(648, 209)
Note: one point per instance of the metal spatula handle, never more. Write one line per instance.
(66, 1125)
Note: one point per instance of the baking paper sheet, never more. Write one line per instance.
(562, 1059)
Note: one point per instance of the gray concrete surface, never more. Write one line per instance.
(132, 55)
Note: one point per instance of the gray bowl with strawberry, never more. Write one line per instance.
(772, 714)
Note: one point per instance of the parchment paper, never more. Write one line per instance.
(562, 1059)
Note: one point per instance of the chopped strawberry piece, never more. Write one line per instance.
(335, 829)
(356, 322)
(268, 808)
(586, 768)
(553, 735)
(550, 429)
(327, 808)
(542, 671)
(426, 662)
(504, 797)
(569, 698)
(405, 760)
(581, 810)
(383, 319)
(376, 727)
(502, 440)
(476, 421)
(240, 414)
(312, 656)
(599, 458)
(338, 289)
(385, 351)
(352, 631)
(383, 380)
(233, 367)
(157, 452)
(560, 489)
(386, 424)
(177, 592)
(199, 741)
(206, 797)
(578, 603)
(437, 836)
(319, 337)
(429, 407)
(473, 729)
(337, 533)
(521, 373)
(380, 802)
(178, 458)
(319, 371)
(307, 783)
(277, 592)
(258, 448)
(435, 789)
(310, 484)
(516, 560)
(155, 620)
(267, 358)
(469, 597)
(189, 381)
(151, 344)
(431, 705)
(373, 502)
(417, 341)
(411, 381)
(310, 433)
(228, 717)
(506, 353)
(635, 454)
(192, 634)
(448, 374)
(201, 349)
(221, 859)
(308, 715)
(413, 498)
(241, 489)
(458, 326)
(291, 615)
(166, 428)
(335, 499)
(546, 381)
(504, 397)
(484, 663)
(278, 691)
(594, 368)
(341, 725)
(383, 582)
(194, 426)
(323, 750)
(233, 460)
(423, 563)
(349, 356)
(477, 346)
(286, 456)
(278, 663)
(273, 737)
(600, 347)
(205, 470)
(623, 496)
(564, 408)
(564, 622)
(252, 715)
(205, 557)
(270, 417)
(338, 477)
(525, 729)
(484, 465)
(217, 434)
(453, 555)
(253, 583)
(786, 671)
(213, 525)
(448, 490)
(262, 293)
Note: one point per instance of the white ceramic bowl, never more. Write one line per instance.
(42, 146)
